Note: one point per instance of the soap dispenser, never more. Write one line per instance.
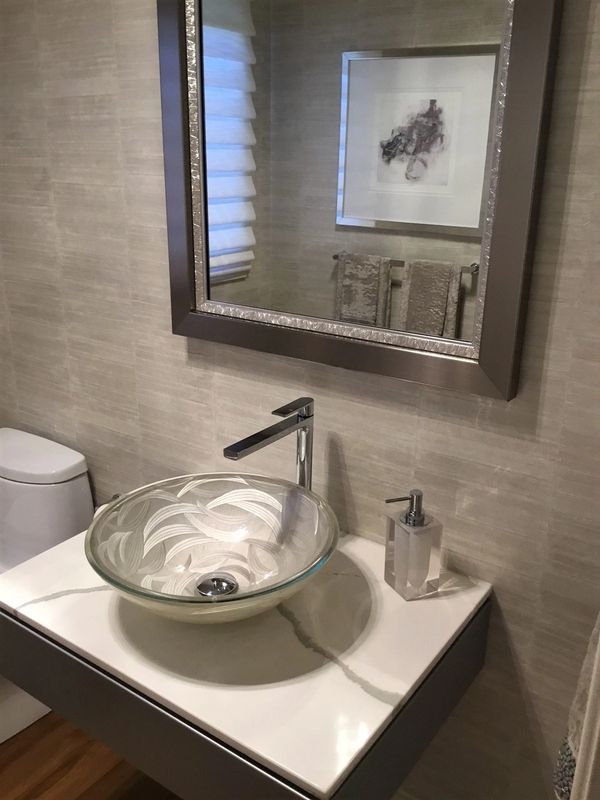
(412, 550)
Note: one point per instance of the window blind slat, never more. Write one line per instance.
(229, 159)
(230, 213)
(218, 43)
(225, 74)
(228, 239)
(229, 131)
(228, 103)
(232, 259)
(232, 186)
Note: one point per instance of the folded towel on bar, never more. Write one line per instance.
(576, 775)
(363, 289)
(428, 299)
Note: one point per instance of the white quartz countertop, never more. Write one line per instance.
(304, 689)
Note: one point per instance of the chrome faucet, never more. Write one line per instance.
(299, 417)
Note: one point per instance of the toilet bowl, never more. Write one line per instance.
(45, 498)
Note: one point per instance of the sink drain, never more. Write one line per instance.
(218, 584)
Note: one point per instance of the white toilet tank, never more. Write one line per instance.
(45, 495)
(45, 498)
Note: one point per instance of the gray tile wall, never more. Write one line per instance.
(87, 357)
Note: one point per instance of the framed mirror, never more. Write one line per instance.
(354, 182)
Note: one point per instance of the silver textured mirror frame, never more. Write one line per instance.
(490, 364)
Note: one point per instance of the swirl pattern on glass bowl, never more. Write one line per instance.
(156, 544)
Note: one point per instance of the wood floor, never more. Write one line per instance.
(52, 760)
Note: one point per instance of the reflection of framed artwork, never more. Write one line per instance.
(415, 135)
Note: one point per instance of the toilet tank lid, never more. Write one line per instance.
(31, 459)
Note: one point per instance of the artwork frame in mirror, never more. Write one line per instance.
(415, 138)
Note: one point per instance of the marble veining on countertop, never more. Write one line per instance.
(304, 689)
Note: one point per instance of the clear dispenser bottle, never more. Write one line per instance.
(412, 551)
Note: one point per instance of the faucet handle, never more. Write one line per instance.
(303, 406)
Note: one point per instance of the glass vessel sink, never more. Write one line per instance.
(212, 548)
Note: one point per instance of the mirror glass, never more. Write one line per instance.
(350, 158)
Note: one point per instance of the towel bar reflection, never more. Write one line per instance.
(472, 269)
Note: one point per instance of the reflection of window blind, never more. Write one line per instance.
(229, 111)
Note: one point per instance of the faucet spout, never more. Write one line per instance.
(299, 418)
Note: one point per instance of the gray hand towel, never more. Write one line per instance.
(363, 289)
(574, 743)
(428, 302)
